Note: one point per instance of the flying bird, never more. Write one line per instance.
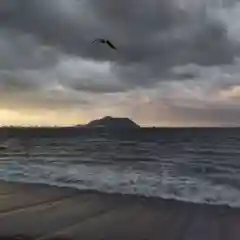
(105, 41)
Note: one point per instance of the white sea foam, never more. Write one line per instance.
(192, 165)
(124, 179)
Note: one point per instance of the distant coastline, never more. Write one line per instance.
(110, 123)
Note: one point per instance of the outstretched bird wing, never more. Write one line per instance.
(101, 40)
(111, 45)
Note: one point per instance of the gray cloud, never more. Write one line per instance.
(185, 112)
(23, 51)
(88, 86)
(152, 36)
(46, 44)
(54, 100)
(218, 115)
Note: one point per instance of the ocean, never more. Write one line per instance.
(199, 165)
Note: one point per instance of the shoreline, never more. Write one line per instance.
(115, 194)
(39, 211)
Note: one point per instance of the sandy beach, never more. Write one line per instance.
(34, 211)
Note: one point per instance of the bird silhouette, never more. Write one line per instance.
(105, 41)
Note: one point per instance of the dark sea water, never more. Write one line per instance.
(197, 165)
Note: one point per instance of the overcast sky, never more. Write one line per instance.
(177, 62)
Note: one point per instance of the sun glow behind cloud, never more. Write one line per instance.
(42, 118)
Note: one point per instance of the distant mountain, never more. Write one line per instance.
(111, 123)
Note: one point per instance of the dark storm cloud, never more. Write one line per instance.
(161, 34)
(152, 36)
(48, 61)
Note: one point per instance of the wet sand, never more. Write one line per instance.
(34, 211)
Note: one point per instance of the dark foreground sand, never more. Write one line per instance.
(29, 211)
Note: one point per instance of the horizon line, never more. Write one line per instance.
(79, 126)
